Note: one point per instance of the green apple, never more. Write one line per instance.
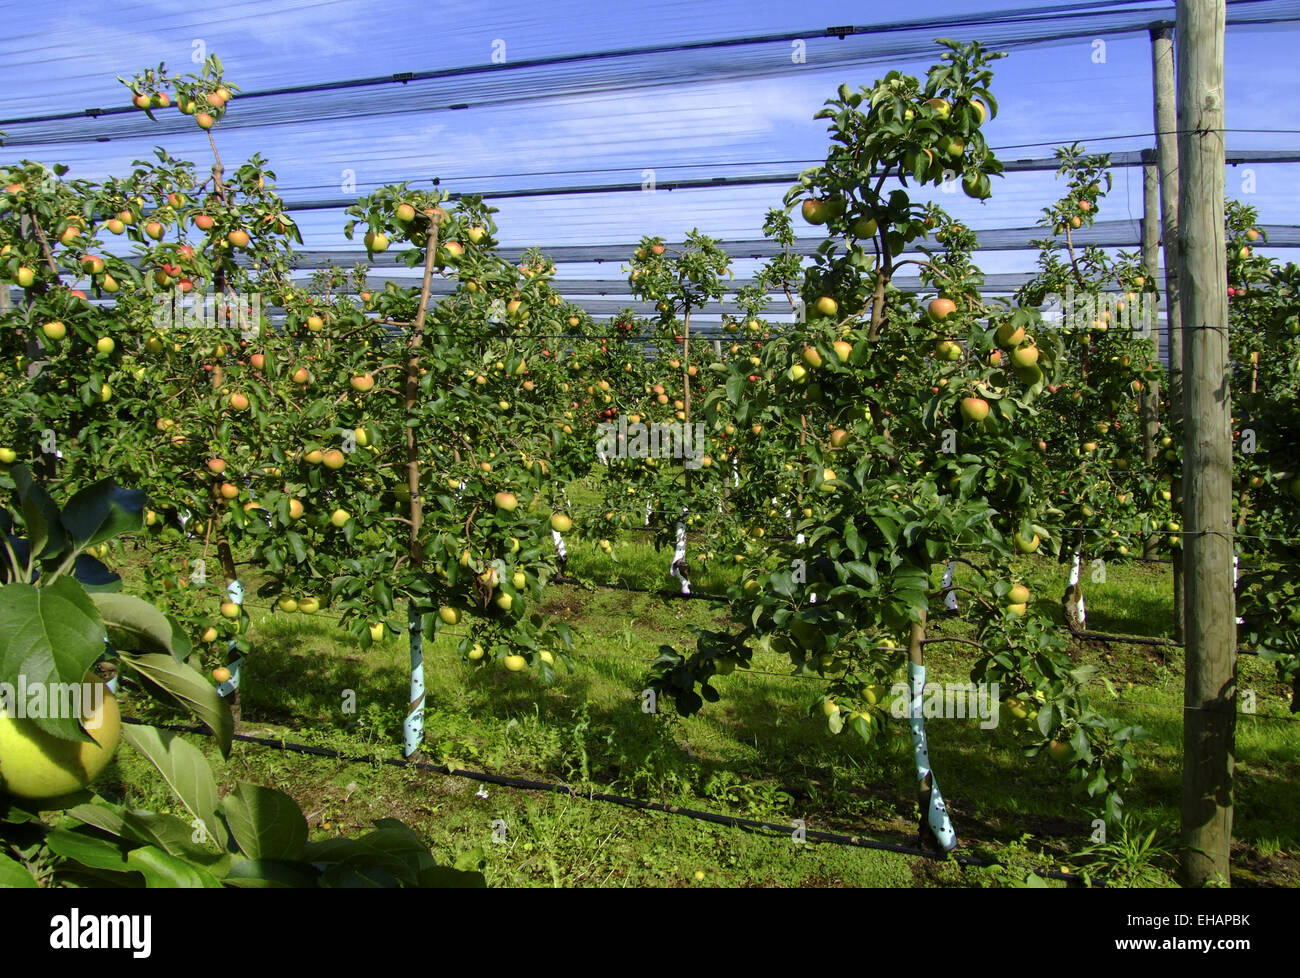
(35, 764)
(1027, 545)
(864, 227)
(1016, 707)
(1025, 356)
(826, 306)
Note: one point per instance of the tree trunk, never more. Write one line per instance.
(934, 826)
(413, 729)
(681, 568)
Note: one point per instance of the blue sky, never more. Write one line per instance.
(65, 57)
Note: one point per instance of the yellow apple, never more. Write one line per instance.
(35, 764)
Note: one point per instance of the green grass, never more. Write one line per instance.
(757, 753)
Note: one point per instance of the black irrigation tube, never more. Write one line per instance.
(529, 784)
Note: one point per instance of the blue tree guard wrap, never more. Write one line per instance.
(235, 591)
(940, 824)
(413, 729)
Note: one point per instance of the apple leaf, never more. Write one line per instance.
(181, 644)
(40, 514)
(178, 683)
(49, 635)
(14, 875)
(102, 817)
(182, 766)
(103, 511)
(94, 576)
(270, 873)
(266, 824)
(180, 838)
(162, 871)
(134, 623)
(87, 850)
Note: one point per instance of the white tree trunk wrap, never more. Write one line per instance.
(679, 559)
(1236, 574)
(949, 599)
(937, 817)
(413, 728)
(559, 544)
(1074, 579)
(235, 591)
(799, 539)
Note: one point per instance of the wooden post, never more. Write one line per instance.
(1151, 264)
(1162, 66)
(1209, 698)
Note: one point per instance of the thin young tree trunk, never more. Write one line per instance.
(413, 728)
(934, 826)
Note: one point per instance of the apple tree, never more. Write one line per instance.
(1090, 428)
(931, 461)
(1264, 337)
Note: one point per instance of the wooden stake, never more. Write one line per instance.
(1162, 65)
(1151, 265)
(1209, 698)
